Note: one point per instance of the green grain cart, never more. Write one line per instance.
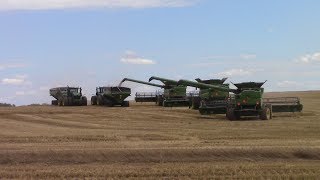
(111, 96)
(208, 97)
(68, 96)
(174, 94)
(144, 96)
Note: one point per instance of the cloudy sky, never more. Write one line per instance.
(89, 43)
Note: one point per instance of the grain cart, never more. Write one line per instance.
(143, 96)
(68, 96)
(247, 100)
(111, 96)
(174, 94)
(207, 95)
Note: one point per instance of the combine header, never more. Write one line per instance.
(284, 104)
(68, 96)
(111, 96)
(145, 97)
(174, 94)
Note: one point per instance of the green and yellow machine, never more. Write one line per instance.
(210, 100)
(68, 96)
(207, 95)
(111, 96)
(245, 101)
(174, 94)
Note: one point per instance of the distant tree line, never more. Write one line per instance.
(7, 105)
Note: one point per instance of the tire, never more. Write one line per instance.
(165, 104)
(125, 104)
(195, 103)
(94, 100)
(231, 114)
(84, 101)
(60, 102)
(65, 102)
(266, 113)
(100, 101)
(160, 101)
(54, 102)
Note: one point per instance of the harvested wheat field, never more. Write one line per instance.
(146, 141)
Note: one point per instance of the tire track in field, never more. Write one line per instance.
(46, 121)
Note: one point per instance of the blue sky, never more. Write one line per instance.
(93, 43)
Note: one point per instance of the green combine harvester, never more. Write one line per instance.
(208, 99)
(174, 94)
(247, 101)
(68, 96)
(144, 96)
(111, 96)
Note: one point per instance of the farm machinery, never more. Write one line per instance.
(145, 96)
(210, 100)
(174, 93)
(208, 96)
(68, 96)
(111, 96)
(245, 101)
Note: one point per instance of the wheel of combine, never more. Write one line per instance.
(231, 114)
(65, 102)
(266, 113)
(160, 101)
(94, 100)
(60, 102)
(195, 103)
(100, 101)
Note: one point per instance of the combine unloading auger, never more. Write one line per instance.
(146, 96)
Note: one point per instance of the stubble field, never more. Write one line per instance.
(145, 141)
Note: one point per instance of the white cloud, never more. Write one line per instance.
(248, 56)
(44, 88)
(26, 93)
(132, 58)
(65, 4)
(12, 65)
(17, 80)
(236, 72)
(309, 58)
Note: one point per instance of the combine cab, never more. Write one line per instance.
(68, 96)
(111, 96)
